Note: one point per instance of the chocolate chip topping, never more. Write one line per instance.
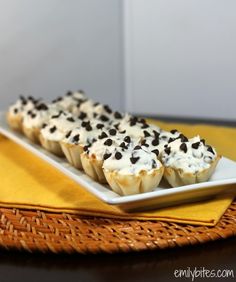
(195, 145)
(156, 152)
(53, 129)
(100, 126)
(104, 118)
(15, 111)
(107, 109)
(68, 134)
(118, 115)
(88, 127)
(203, 141)
(123, 145)
(82, 115)
(112, 132)
(108, 142)
(146, 133)
(183, 138)
(167, 150)
(84, 123)
(156, 134)
(44, 125)
(145, 125)
(118, 155)
(137, 147)
(209, 149)
(173, 131)
(183, 147)
(134, 160)
(71, 119)
(33, 115)
(171, 140)
(41, 107)
(103, 135)
(75, 138)
(127, 139)
(154, 164)
(86, 148)
(106, 156)
(155, 142)
(69, 93)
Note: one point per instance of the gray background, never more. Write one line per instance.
(181, 58)
(50, 46)
(159, 57)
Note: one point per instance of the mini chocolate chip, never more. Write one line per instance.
(146, 133)
(146, 145)
(107, 109)
(173, 131)
(156, 134)
(80, 91)
(167, 150)
(195, 145)
(154, 164)
(29, 113)
(68, 134)
(203, 141)
(118, 115)
(33, 115)
(86, 148)
(127, 139)
(171, 140)
(112, 132)
(132, 123)
(116, 126)
(95, 115)
(155, 142)
(137, 147)
(118, 155)
(103, 135)
(166, 145)
(41, 107)
(96, 104)
(134, 160)
(123, 145)
(108, 142)
(100, 126)
(53, 129)
(209, 149)
(69, 93)
(145, 125)
(123, 132)
(142, 120)
(82, 115)
(15, 111)
(88, 127)
(183, 138)
(75, 138)
(44, 125)
(106, 156)
(183, 147)
(84, 123)
(71, 119)
(156, 152)
(104, 118)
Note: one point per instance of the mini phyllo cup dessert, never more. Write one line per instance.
(94, 155)
(189, 162)
(55, 130)
(77, 139)
(34, 119)
(17, 111)
(133, 171)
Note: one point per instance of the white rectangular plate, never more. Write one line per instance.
(224, 175)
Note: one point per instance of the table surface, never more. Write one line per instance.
(155, 266)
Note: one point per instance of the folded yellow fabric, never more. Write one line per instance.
(28, 182)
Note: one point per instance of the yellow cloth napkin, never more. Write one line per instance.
(28, 182)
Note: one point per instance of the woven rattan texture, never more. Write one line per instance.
(37, 231)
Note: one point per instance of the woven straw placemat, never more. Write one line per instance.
(37, 231)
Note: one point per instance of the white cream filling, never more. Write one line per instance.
(126, 167)
(193, 161)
